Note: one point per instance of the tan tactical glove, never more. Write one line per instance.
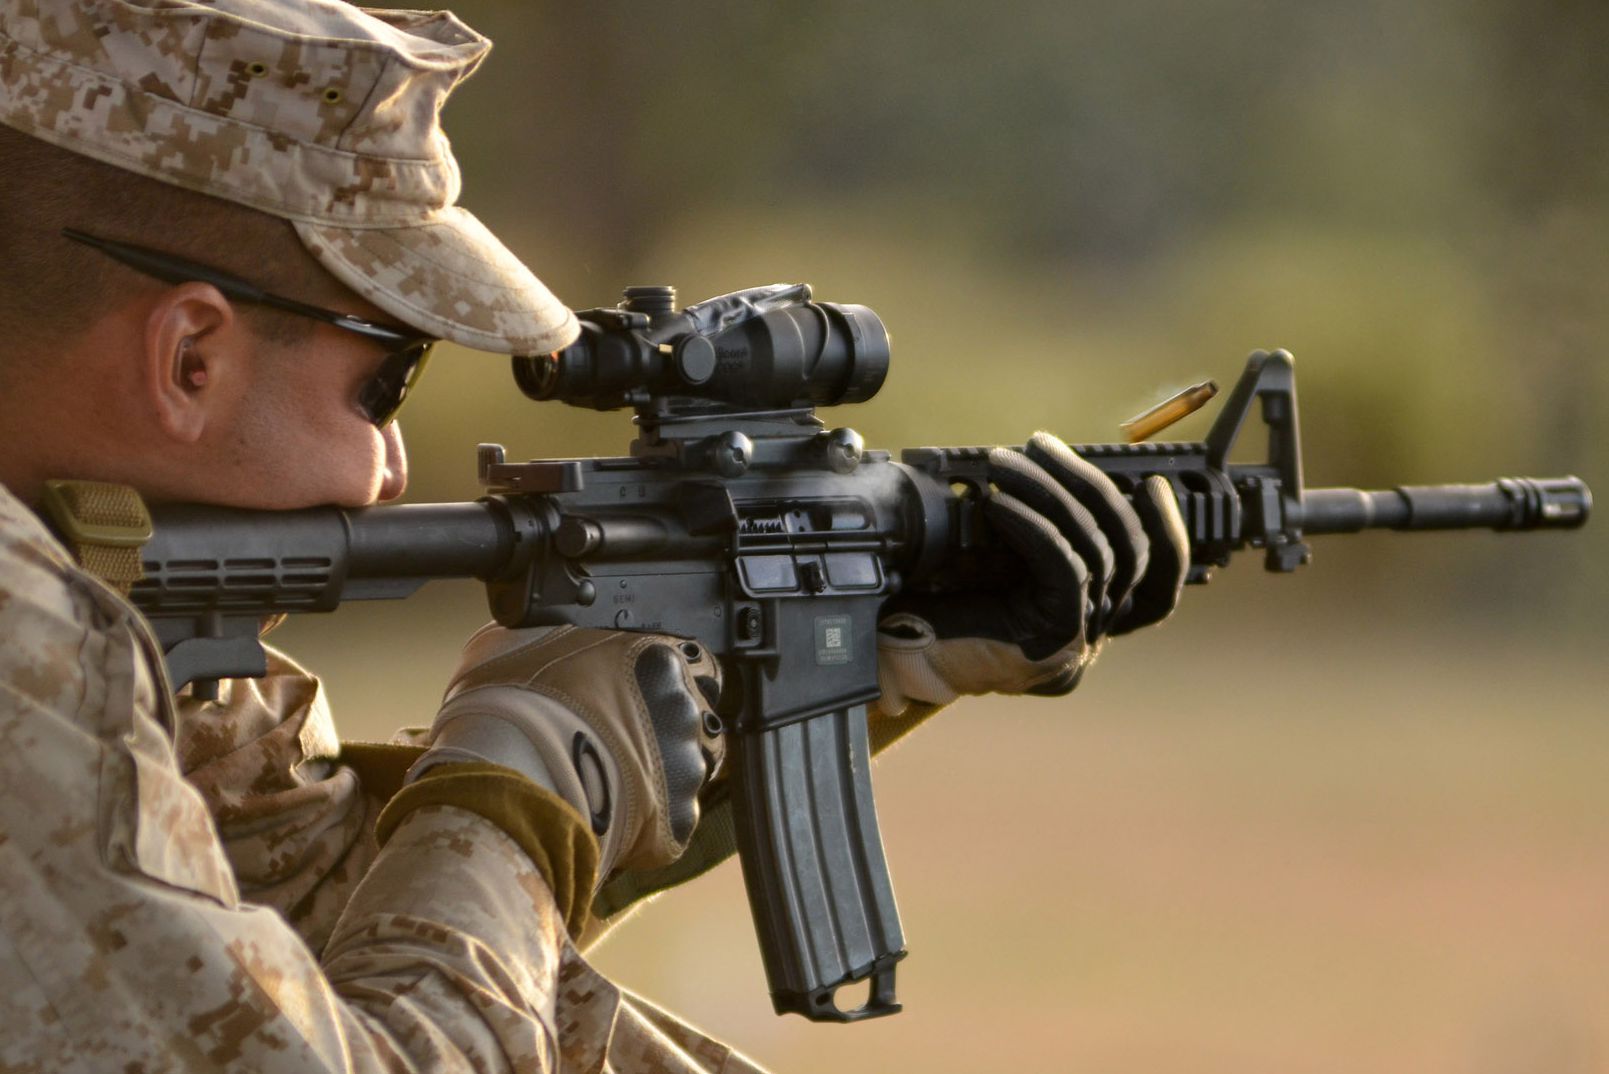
(1073, 561)
(620, 725)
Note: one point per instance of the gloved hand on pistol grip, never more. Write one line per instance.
(1072, 561)
(620, 725)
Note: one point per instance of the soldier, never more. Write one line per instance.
(230, 239)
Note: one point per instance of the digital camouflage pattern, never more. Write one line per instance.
(196, 885)
(314, 111)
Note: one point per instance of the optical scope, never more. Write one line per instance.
(765, 348)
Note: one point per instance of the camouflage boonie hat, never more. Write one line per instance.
(311, 110)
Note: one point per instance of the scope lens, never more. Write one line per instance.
(537, 374)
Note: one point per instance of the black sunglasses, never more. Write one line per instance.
(380, 397)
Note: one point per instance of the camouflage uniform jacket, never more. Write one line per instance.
(197, 886)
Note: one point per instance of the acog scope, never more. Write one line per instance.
(765, 348)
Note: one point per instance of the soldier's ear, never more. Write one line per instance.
(196, 360)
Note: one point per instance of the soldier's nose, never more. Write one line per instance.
(395, 481)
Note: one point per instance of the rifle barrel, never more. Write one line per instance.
(1511, 503)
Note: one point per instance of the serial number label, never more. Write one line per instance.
(833, 642)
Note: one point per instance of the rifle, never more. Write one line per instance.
(740, 520)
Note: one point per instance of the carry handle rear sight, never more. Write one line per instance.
(761, 349)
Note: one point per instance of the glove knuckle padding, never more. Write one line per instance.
(639, 699)
(1090, 487)
(1053, 614)
(1019, 476)
(1157, 593)
(669, 694)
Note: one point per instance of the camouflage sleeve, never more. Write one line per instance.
(297, 828)
(124, 941)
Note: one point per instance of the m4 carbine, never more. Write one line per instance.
(739, 520)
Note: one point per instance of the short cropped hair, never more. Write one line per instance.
(51, 288)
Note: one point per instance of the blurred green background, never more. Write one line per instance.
(1354, 818)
